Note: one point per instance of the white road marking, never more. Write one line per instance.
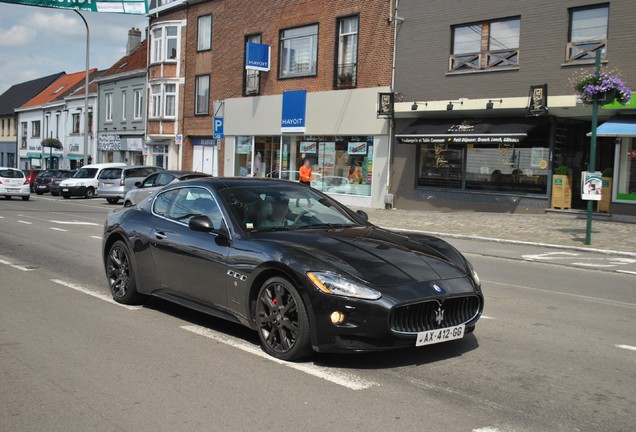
(626, 347)
(486, 429)
(592, 265)
(335, 376)
(96, 237)
(1, 217)
(551, 256)
(95, 294)
(626, 272)
(58, 229)
(487, 317)
(73, 223)
(25, 222)
(15, 266)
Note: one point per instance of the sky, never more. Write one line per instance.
(36, 42)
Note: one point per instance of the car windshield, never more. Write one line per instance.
(284, 207)
(10, 173)
(86, 173)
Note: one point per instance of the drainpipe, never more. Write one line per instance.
(393, 18)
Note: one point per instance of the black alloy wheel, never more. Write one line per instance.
(90, 193)
(112, 200)
(282, 322)
(120, 273)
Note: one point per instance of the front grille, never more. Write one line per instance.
(418, 317)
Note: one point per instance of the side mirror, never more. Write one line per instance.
(137, 184)
(201, 223)
(362, 214)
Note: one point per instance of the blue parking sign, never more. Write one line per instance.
(218, 127)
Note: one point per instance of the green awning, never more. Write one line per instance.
(46, 156)
(74, 157)
(34, 155)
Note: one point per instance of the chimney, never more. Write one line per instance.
(134, 39)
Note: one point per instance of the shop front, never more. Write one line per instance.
(342, 137)
(474, 162)
(205, 155)
(116, 148)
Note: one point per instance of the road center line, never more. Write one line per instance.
(96, 237)
(335, 376)
(25, 222)
(15, 266)
(626, 347)
(626, 272)
(74, 223)
(584, 297)
(58, 229)
(98, 295)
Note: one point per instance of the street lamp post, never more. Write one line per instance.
(592, 166)
(85, 159)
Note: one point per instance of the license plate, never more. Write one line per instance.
(431, 337)
(64, 189)
(13, 189)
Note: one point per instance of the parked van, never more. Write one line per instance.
(84, 182)
(115, 182)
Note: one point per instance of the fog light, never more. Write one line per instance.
(337, 318)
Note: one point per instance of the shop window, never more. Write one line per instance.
(347, 64)
(626, 176)
(251, 78)
(298, 52)
(202, 95)
(204, 33)
(500, 39)
(243, 156)
(587, 33)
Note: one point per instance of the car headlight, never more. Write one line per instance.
(332, 283)
(473, 274)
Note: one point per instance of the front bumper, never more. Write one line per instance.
(72, 190)
(110, 193)
(42, 188)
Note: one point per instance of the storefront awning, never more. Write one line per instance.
(74, 157)
(478, 131)
(55, 155)
(34, 155)
(617, 127)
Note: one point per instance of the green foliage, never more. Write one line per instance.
(562, 170)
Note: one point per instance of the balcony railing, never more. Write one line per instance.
(576, 51)
(346, 75)
(496, 59)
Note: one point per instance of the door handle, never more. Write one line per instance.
(160, 235)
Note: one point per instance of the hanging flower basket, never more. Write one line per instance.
(608, 87)
(52, 142)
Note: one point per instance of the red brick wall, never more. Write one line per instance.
(233, 20)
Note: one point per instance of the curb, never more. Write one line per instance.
(516, 242)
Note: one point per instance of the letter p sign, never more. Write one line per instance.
(218, 127)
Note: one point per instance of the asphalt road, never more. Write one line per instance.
(555, 351)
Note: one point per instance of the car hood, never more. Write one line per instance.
(376, 256)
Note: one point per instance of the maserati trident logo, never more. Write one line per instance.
(439, 315)
(437, 288)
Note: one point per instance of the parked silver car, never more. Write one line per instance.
(114, 183)
(155, 182)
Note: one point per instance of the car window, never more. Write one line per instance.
(163, 201)
(150, 181)
(195, 201)
(86, 173)
(110, 174)
(164, 179)
(10, 173)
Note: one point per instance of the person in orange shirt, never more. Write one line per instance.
(304, 173)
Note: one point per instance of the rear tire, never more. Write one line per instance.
(25, 198)
(7, 197)
(121, 276)
(66, 196)
(55, 194)
(282, 322)
(40, 193)
(112, 200)
(127, 204)
(90, 193)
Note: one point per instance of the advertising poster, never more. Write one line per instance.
(327, 157)
(243, 145)
(370, 164)
(308, 147)
(591, 185)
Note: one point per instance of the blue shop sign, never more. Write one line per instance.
(257, 56)
(203, 141)
(294, 108)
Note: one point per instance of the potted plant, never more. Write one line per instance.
(607, 86)
(562, 188)
(51, 143)
(606, 191)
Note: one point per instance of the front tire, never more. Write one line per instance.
(25, 198)
(281, 319)
(66, 196)
(112, 200)
(90, 193)
(127, 204)
(121, 276)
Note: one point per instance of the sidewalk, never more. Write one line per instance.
(551, 229)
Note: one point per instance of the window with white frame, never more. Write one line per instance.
(298, 52)
(123, 106)
(109, 107)
(170, 96)
(347, 67)
(588, 33)
(35, 129)
(138, 102)
(23, 136)
(204, 33)
(76, 123)
(155, 95)
(164, 44)
(202, 96)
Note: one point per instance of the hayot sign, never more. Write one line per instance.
(294, 109)
(136, 7)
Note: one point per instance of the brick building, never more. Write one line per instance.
(334, 56)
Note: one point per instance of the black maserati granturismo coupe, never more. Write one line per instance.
(304, 271)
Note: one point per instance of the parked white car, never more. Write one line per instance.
(84, 182)
(13, 182)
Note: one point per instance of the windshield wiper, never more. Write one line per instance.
(274, 228)
(326, 225)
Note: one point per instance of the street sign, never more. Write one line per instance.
(591, 185)
(178, 139)
(218, 127)
(136, 7)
